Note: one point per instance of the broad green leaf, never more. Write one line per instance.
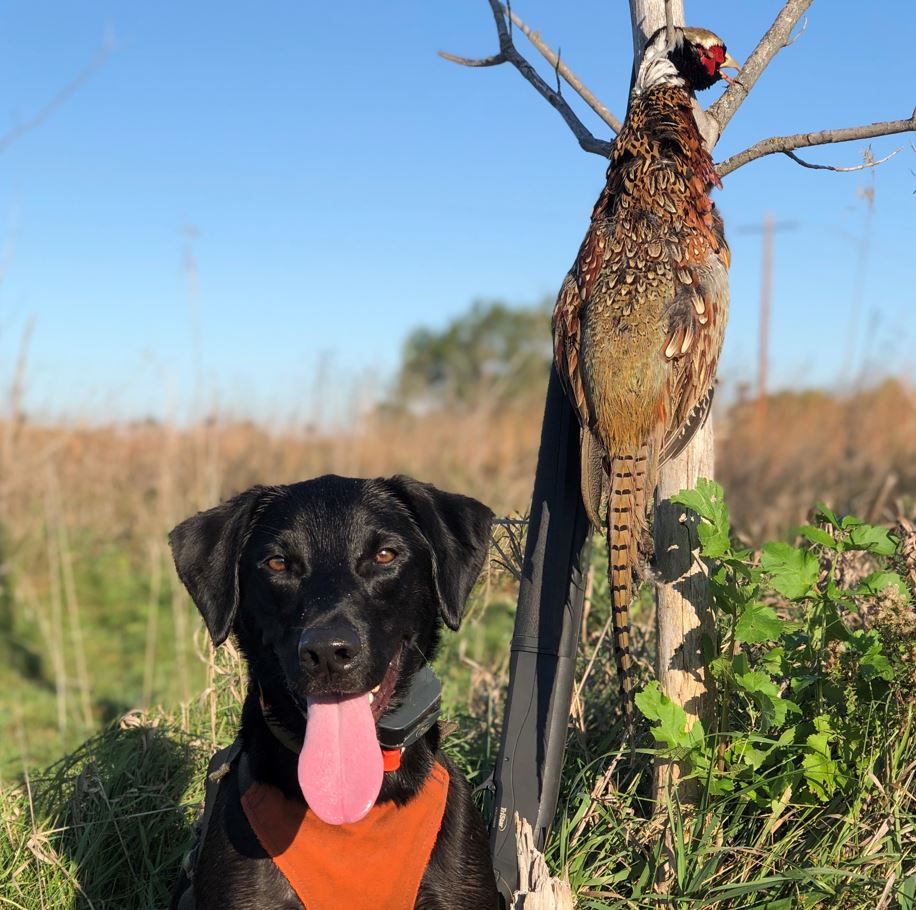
(793, 572)
(719, 785)
(873, 664)
(878, 581)
(835, 695)
(817, 535)
(708, 501)
(873, 539)
(670, 719)
(714, 539)
(755, 681)
(741, 751)
(772, 659)
(693, 500)
(876, 666)
(803, 681)
(740, 664)
(765, 693)
(758, 623)
(834, 626)
(728, 596)
(818, 763)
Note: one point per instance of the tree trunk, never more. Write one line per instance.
(646, 17)
(683, 614)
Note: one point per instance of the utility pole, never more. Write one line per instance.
(766, 289)
(770, 226)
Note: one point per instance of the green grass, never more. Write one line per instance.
(845, 854)
(42, 695)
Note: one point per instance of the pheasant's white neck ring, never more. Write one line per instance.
(656, 67)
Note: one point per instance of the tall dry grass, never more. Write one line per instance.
(856, 452)
(130, 483)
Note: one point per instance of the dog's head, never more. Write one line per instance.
(335, 583)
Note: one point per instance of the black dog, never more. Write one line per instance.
(335, 589)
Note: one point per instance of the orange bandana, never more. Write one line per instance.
(377, 862)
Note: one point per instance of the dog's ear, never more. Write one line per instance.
(457, 529)
(207, 548)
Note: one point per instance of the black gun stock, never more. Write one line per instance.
(544, 641)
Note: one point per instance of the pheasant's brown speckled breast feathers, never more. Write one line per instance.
(639, 324)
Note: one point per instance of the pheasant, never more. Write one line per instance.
(640, 318)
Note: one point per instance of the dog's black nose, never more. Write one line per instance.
(328, 650)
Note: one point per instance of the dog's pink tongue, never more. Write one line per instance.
(340, 765)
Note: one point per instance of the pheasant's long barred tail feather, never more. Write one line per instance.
(625, 522)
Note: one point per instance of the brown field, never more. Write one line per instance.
(131, 482)
(126, 485)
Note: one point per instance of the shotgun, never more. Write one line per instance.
(529, 762)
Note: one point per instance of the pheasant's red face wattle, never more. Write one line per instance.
(712, 58)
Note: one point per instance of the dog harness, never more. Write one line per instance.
(381, 858)
(377, 862)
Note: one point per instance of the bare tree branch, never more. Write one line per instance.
(495, 60)
(571, 78)
(669, 25)
(509, 54)
(776, 38)
(842, 170)
(822, 137)
(60, 98)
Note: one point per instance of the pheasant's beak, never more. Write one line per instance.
(731, 64)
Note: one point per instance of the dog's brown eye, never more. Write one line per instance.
(276, 564)
(384, 556)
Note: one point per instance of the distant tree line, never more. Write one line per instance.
(494, 354)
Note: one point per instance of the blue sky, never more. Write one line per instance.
(337, 184)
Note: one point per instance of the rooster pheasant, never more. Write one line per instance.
(640, 319)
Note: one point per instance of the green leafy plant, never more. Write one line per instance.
(803, 679)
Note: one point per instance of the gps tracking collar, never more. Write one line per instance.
(419, 710)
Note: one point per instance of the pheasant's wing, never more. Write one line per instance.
(567, 348)
(574, 296)
(696, 329)
(593, 465)
(677, 441)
